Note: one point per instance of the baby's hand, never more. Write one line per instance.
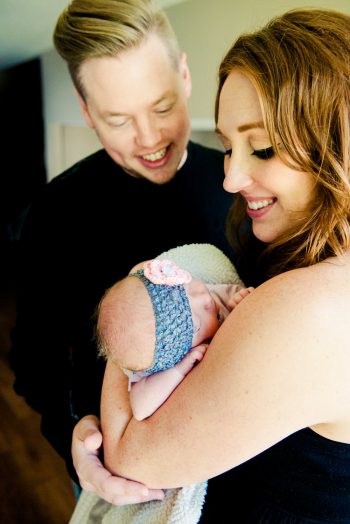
(239, 296)
(193, 356)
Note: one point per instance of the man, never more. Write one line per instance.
(147, 191)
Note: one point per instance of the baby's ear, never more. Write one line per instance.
(138, 266)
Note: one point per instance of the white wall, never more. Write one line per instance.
(205, 29)
(67, 138)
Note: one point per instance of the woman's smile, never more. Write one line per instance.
(258, 207)
(276, 194)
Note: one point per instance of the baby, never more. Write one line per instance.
(156, 323)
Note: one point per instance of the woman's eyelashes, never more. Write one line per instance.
(262, 154)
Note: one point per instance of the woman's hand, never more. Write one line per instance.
(93, 477)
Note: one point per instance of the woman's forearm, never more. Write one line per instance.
(115, 411)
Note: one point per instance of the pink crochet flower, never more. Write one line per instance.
(166, 272)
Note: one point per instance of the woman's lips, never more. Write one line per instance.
(259, 206)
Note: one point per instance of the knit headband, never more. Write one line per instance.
(174, 326)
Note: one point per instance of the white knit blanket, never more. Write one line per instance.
(205, 262)
(181, 505)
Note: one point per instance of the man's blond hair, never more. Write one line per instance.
(89, 29)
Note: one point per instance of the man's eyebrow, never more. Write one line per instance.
(168, 96)
(245, 127)
(115, 114)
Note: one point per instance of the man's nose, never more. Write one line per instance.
(148, 133)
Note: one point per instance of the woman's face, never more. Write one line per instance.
(276, 195)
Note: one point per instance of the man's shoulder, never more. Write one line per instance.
(94, 174)
(78, 188)
(90, 168)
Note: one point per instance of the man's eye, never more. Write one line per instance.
(264, 154)
(118, 123)
(164, 109)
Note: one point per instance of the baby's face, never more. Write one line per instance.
(209, 305)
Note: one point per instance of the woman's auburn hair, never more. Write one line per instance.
(299, 64)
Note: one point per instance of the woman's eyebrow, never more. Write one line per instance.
(244, 127)
(252, 125)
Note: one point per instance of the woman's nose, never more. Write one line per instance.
(237, 177)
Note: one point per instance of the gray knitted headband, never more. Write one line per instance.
(174, 326)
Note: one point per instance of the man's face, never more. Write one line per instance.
(137, 104)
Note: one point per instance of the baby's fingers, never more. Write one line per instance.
(198, 352)
(239, 296)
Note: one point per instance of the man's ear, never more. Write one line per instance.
(185, 74)
(84, 110)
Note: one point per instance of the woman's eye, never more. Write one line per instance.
(264, 154)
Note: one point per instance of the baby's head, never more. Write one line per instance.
(152, 318)
(125, 325)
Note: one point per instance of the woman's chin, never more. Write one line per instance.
(264, 234)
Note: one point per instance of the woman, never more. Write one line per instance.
(270, 402)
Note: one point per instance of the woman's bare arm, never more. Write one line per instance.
(269, 371)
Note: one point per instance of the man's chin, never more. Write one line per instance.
(156, 176)
(159, 178)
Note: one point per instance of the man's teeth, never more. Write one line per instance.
(259, 204)
(155, 156)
